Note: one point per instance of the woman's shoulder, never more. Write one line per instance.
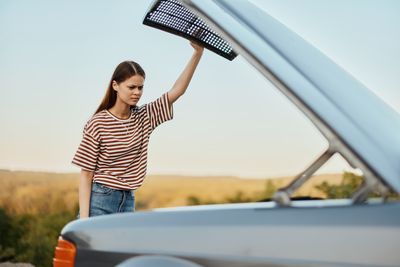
(98, 118)
(96, 121)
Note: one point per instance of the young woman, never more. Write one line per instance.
(113, 152)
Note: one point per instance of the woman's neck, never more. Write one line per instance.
(121, 110)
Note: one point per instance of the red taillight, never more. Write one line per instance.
(64, 255)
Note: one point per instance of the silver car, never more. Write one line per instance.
(282, 232)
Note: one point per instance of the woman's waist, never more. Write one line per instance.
(121, 181)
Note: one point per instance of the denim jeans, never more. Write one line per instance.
(105, 200)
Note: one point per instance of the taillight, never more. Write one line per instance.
(64, 255)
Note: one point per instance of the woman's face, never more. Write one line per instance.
(130, 90)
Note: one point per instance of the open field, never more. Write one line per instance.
(37, 192)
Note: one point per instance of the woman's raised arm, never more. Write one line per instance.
(183, 80)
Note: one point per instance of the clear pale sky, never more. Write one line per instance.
(56, 58)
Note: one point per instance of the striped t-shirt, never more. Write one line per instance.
(115, 149)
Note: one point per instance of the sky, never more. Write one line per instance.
(56, 58)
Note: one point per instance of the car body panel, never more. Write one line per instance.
(268, 235)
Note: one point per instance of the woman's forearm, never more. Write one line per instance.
(85, 188)
(183, 80)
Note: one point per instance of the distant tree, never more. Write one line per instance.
(238, 197)
(269, 190)
(194, 200)
(349, 184)
(141, 205)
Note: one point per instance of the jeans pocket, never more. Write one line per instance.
(101, 189)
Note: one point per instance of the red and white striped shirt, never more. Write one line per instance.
(115, 149)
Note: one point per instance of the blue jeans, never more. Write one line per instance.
(105, 200)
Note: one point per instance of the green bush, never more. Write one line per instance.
(350, 182)
(31, 238)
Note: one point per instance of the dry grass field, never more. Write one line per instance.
(41, 193)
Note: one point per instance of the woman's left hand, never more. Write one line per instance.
(197, 48)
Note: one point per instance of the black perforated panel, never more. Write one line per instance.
(171, 16)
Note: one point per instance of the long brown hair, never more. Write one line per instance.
(122, 72)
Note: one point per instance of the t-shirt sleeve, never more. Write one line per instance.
(159, 111)
(87, 153)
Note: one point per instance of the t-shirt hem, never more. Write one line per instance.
(112, 185)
